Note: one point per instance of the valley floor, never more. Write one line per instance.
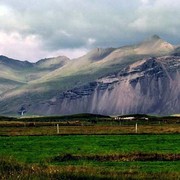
(88, 149)
(90, 157)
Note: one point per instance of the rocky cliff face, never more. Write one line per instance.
(151, 85)
(142, 78)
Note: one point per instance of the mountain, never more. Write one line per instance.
(154, 45)
(9, 68)
(22, 72)
(10, 73)
(52, 63)
(147, 86)
(142, 78)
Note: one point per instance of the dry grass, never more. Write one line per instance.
(11, 169)
(97, 129)
(119, 157)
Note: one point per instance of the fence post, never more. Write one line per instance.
(136, 128)
(57, 128)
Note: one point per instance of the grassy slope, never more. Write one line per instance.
(86, 69)
(46, 88)
(43, 85)
(96, 61)
(15, 76)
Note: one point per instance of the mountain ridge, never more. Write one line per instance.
(63, 86)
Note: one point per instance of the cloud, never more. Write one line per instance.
(76, 26)
(14, 45)
(30, 48)
(10, 20)
(145, 1)
(159, 17)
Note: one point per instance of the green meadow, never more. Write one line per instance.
(91, 156)
(89, 147)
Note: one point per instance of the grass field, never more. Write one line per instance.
(34, 149)
(88, 130)
(96, 155)
(89, 147)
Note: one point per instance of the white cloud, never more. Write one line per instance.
(17, 46)
(91, 41)
(11, 19)
(159, 17)
(140, 24)
(65, 33)
(71, 27)
(145, 1)
(30, 48)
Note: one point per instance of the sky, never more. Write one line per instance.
(35, 29)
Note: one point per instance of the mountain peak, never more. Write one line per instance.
(53, 62)
(154, 45)
(155, 37)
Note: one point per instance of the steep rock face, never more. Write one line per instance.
(142, 78)
(148, 86)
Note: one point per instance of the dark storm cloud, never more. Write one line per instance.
(84, 24)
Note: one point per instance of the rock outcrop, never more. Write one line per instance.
(150, 86)
(142, 78)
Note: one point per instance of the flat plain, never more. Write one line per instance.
(101, 150)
